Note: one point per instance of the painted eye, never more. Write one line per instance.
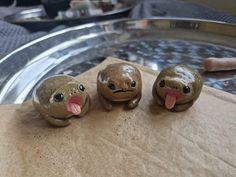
(81, 87)
(58, 97)
(162, 83)
(133, 84)
(111, 86)
(186, 89)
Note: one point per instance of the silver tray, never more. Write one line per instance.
(155, 43)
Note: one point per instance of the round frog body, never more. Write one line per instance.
(60, 97)
(177, 87)
(119, 82)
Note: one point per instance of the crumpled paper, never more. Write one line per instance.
(146, 141)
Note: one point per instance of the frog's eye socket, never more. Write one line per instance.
(111, 86)
(133, 83)
(59, 97)
(81, 87)
(186, 89)
(162, 83)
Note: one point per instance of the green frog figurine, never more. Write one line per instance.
(177, 87)
(119, 82)
(60, 97)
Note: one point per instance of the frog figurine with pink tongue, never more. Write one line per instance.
(177, 87)
(60, 97)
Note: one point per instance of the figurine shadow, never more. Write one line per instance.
(28, 117)
(155, 109)
(30, 126)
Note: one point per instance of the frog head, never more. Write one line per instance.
(173, 91)
(178, 85)
(67, 100)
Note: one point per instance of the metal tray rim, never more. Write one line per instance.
(15, 85)
(104, 23)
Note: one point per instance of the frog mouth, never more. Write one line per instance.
(123, 90)
(171, 96)
(74, 105)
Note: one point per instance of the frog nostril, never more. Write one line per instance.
(176, 88)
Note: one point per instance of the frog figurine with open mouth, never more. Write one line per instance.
(60, 97)
(177, 87)
(119, 82)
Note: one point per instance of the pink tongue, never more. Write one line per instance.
(74, 108)
(170, 101)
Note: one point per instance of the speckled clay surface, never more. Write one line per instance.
(60, 97)
(119, 82)
(177, 87)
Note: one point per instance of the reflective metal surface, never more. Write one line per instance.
(155, 43)
(36, 19)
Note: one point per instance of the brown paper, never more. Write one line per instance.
(146, 141)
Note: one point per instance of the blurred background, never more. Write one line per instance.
(228, 6)
(24, 20)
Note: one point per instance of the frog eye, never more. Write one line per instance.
(133, 84)
(111, 86)
(186, 89)
(162, 83)
(81, 87)
(58, 97)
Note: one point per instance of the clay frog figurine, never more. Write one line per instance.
(119, 82)
(60, 97)
(177, 87)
